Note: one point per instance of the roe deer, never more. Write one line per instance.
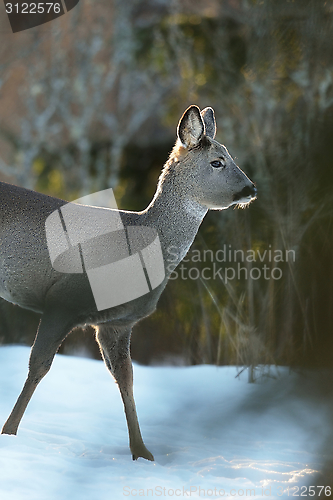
(199, 175)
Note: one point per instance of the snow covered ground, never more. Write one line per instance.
(212, 435)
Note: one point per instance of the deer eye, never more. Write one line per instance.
(218, 163)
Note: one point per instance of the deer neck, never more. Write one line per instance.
(175, 217)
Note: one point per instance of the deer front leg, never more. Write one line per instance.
(114, 344)
(124, 377)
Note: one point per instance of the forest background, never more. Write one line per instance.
(92, 101)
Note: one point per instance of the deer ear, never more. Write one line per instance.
(191, 127)
(210, 123)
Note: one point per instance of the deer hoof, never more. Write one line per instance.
(8, 430)
(144, 453)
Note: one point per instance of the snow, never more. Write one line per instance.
(208, 430)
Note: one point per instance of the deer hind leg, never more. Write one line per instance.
(51, 332)
(114, 344)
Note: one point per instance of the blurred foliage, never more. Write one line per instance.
(267, 69)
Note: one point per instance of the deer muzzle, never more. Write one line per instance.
(246, 194)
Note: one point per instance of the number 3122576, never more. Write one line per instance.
(33, 8)
(305, 491)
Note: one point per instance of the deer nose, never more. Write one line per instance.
(253, 191)
(246, 192)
